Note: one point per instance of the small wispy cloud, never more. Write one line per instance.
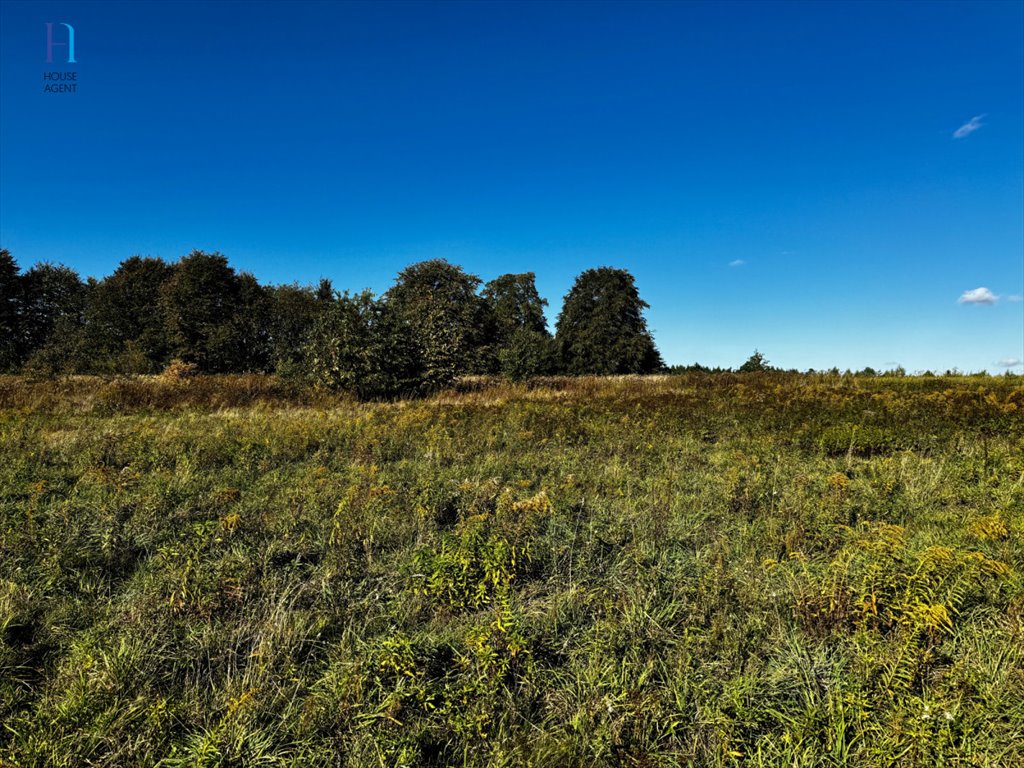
(978, 296)
(1014, 298)
(1010, 362)
(737, 263)
(968, 128)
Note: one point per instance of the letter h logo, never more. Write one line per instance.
(70, 44)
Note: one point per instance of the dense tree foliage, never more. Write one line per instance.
(520, 340)
(51, 314)
(515, 305)
(249, 333)
(198, 301)
(527, 353)
(448, 319)
(294, 312)
(216, 318)
(437, 322)
(123, 330)
(601, 329)
(363, 345)
(10, 304)
(756, 363)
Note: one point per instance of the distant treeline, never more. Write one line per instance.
(435, 323)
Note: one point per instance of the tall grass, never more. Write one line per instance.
(763, 570)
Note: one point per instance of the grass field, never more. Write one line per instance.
(720, 570)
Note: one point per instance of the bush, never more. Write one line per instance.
(361, 346)
(527, 354)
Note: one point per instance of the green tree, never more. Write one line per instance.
(439, 303)
(755, 364)
(199, 303)
(243, 342)
(52, 314)
(11, 342)
(294, 310)
(519, 338)
(526, 354)
(123, 332)
(363, 346)
(601, 328)
(515, 305)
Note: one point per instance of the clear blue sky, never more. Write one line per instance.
(813, 142)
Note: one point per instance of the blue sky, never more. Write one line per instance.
(785, 176)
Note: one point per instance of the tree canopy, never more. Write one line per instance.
(436, 323)
(755, 364)
(363, 346)
(520, 342)
(515, 305)
(11, 341)
(215, 317)
(448, 319)
(124, 331)
(602, 330)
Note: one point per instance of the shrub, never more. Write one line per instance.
(361, 346)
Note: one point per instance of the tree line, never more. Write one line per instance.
(437, 322)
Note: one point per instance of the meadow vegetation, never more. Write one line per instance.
(720, 570)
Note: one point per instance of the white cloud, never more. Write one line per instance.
(1010, 362)
(968, 128)
(978, 296)
(1014, 298)
(737, 263)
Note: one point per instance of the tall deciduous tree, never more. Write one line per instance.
(11, 342)
(244, 343)
(602, 330)
(294, 310)
(199, 302)
(515, 305)
(439, 303)
(125, 333)
(52, 314)
(521, 342)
